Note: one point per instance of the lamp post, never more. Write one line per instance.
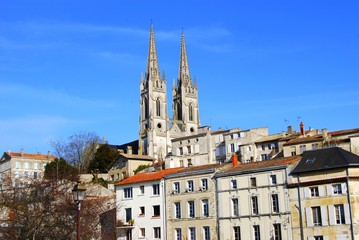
(78, 194)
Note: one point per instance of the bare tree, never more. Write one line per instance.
(78, 150)
(45, 210)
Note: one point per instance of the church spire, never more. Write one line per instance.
(183, 74)
(152, 71)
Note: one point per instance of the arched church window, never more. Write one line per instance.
(158, 107)
(146, 107)
(190, 112)
(178, 111)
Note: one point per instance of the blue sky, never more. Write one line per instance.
(70, 66)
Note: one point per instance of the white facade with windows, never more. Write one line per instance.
(253, 201)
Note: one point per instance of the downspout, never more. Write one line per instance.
(217, 208)
(164, 210)
(300, 211)
(350, 205)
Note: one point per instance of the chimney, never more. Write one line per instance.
(22, 152)
(301, 125)
(234, 160)
(289, 129)
(325, 133)
(129, 150)
(48, 154)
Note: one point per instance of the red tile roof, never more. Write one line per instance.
(265, 163)
(304, 139)
(32, 156)
(343, 132)
(202, 167)
(148, 176)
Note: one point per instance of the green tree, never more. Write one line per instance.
(59, 169)
(103, 160)
(140, 168)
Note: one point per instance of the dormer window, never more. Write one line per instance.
(310, 160)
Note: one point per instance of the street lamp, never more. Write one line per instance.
(78, 194)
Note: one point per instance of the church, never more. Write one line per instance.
(157, 129)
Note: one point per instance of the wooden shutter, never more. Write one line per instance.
(331, 211)
(323, 212)
(308, 215)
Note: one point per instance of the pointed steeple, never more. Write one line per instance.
(183, 73)
(152, 71)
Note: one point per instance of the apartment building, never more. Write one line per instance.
(253, 200)
(140, 205)
(191, 203)
(324, 195)
(17, 168)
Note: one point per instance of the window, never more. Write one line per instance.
(181, 163)
(26, 165)
(180, 150)
(156, 211)
(157, 232)
(263, 147)
(156, 189)
(192, 233)
(339, 214)
(35, 175)
(190, 112)
(191, 210)
(142, 190)
(127, 192)
(256, 232)
(234, 184)
(204, 184)
(178, 210)
(158, 107)
(253, 182)
(277, 231)
(142, 232)
(17, 165)
(337, 189)
(178, 234)
(273, 179)
(128, 212)
(142, 211)
(314, 192)
(235, 207)
(264, 157)
(232, 148)
(205, 208)
(206, 233)
(275, 203)
(237, 233)
(318, 238)
(254, 204)
(176, 187)
(189, 149)
(317, 217)
(315, 146)
(302, 148)
(36, 165)
(189, 186)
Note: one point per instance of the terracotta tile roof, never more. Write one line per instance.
(343, 132)
(148, 176)
(263, 164)
(304, 139)
(29, 155)
(269, 138)
(202, 167)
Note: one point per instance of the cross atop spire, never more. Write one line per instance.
(152, 71)
(183, 74)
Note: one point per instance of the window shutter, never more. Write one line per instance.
(331, 212)
(311, 238)
(329, 190)
(196, 149)
(308, 214)
(306, 192)
(321, 191)
(344, 188)
(347, 213)
(325, 238)
(323, 210)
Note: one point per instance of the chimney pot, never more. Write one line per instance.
(301, 128)
(234, 160)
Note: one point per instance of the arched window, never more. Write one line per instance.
(190, 112)
(146, 107)
(158, 107)
(178, 111)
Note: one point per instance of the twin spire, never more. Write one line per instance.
(153, 71)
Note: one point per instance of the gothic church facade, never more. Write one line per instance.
(156, 128)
